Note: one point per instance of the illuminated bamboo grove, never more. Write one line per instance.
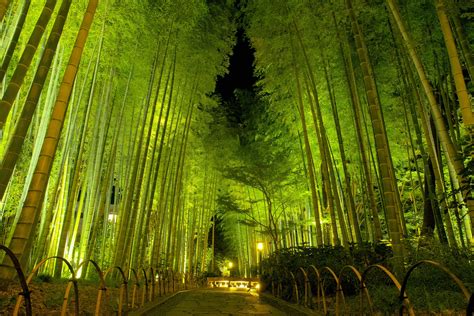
(117, 146)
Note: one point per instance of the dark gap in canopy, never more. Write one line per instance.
(240, 77)
(241, 70)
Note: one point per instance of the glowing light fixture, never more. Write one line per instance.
(259, 262)
(112, 217)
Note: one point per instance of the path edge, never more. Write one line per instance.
(290, 309)
(154, 304)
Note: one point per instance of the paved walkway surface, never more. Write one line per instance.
(215, 302)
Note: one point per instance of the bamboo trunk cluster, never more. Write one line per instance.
(21, 241)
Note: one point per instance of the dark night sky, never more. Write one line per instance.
(240, 74)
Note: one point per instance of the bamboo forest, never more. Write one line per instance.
(170, 142)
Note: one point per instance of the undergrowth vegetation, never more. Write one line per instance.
(429, 288)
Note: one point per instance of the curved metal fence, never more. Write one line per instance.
(309, 287)
(148, 284)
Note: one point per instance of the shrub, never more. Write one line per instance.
(429, 288)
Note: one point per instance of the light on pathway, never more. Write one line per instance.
(259, 250)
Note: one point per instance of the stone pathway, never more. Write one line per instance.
(215, 302)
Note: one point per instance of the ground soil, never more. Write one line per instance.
(47, 298)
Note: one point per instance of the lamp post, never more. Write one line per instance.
(260, 250)
(229, 266)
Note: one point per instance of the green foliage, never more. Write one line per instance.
(201, 278)
(459, 261)
(334, 257)
(429, 288)
(42, 277)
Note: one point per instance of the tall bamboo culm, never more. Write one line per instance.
(14, 39)
(24, 63)
(24, 230)
(18, 137)
(390, 191)
(455, 163)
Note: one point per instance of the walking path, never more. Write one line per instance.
(215, 302)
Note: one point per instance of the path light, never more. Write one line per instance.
(230, 265)
(112, 217)
(260, 250)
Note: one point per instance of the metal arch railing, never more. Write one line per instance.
(395, 282)
(21, 276)
(274, 284)
(72, 282)
(339, 293)
(301, 271)
(295, 291)
(456, 280)
(152, 283)
(175, 278)
(319, 292)
(164, 281)
(151, 293)
(145, 288)
(102, 286)
(358, 275)
(362, 278)
(161, 283)
(136, 286)
(123, 295)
